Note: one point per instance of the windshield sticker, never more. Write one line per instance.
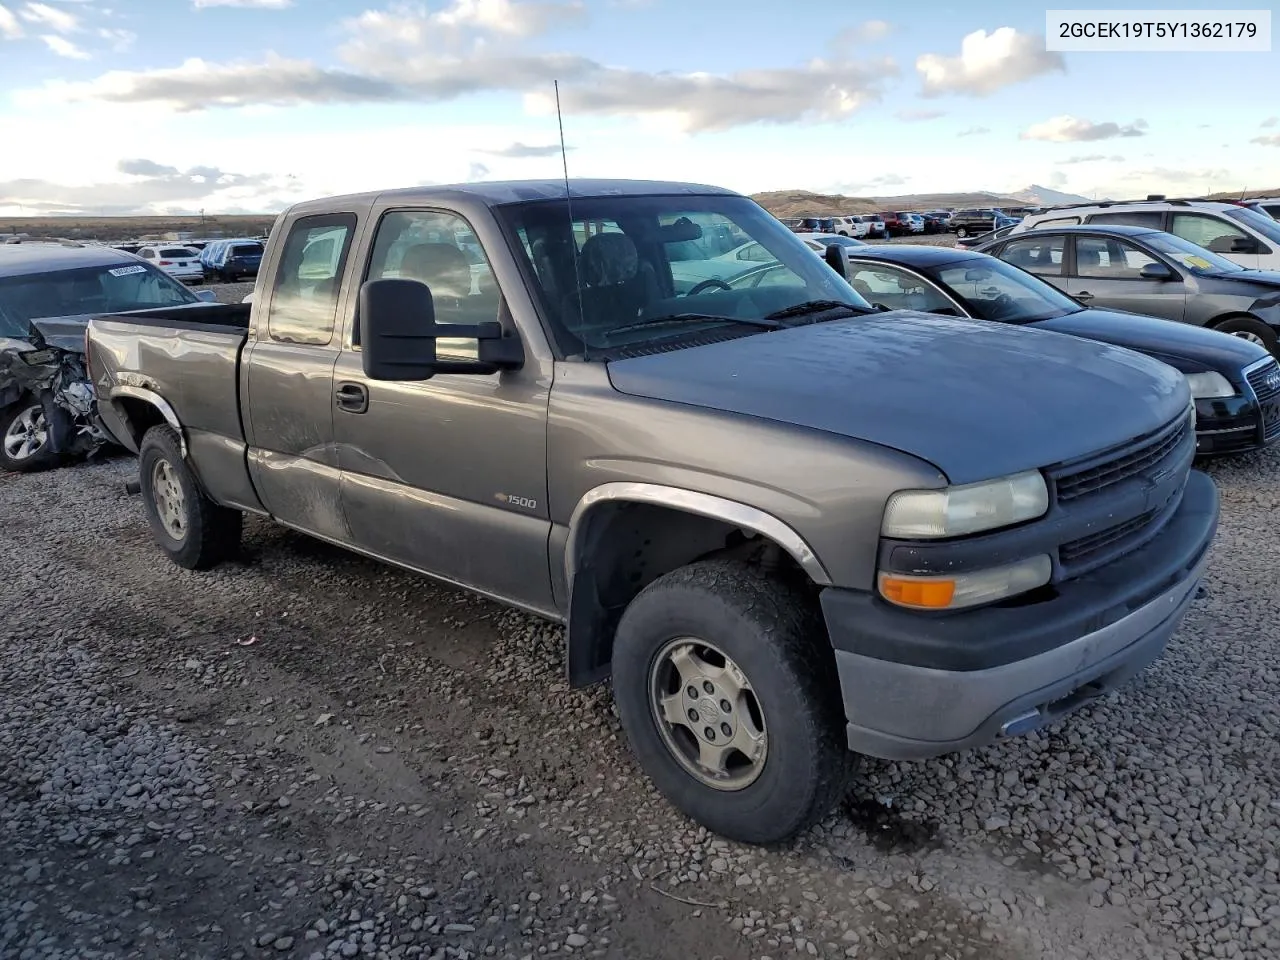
(1201, 262)
(125, 271)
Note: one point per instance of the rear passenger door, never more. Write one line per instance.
(1107, 272)
(289, 374)
(448, 475)
(1045, 256)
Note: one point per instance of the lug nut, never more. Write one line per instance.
(693, 715)
(726, 730)
(711, 734)
(707, 686)
(692, 692)
(725, 706)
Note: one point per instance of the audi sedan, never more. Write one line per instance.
(1235, 382)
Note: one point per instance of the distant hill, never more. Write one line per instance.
(1048, 197)
(115, 229)
(798, 203)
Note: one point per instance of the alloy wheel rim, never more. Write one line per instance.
(1250, 336)
(708, 714)
(27, 434)
(169, 500)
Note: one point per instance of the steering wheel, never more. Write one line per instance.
(707, 285)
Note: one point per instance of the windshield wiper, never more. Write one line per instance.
(675, 319)
(811, 306)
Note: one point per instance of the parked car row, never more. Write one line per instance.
(202, 261)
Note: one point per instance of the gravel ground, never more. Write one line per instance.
(309, 755)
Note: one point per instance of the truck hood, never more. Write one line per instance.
(976, 399)
(1182, 345)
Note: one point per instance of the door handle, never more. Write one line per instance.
(352, 397)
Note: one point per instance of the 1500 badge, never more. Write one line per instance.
(513, 500)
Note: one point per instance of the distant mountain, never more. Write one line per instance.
(799, 203)
(1039, 196)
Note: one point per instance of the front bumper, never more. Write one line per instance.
(917, 686)
(1233, 425)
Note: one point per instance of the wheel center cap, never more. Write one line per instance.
(709, 711)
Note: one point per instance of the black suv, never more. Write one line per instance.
(966, 223)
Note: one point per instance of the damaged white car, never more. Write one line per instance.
(48, 293)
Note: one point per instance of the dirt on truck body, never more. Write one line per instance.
(786, 525)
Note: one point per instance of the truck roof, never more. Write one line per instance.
(496, 193)
(21, 259)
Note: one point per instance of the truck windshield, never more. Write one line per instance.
(611, 278)
(109, 288)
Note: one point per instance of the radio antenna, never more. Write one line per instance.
(568, 203)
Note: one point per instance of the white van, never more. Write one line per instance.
(1239, 233)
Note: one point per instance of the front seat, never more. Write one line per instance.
(615, 286)
(442, 267)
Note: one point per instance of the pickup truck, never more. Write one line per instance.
(787, 526)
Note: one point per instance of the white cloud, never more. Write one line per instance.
(1270, 122)
(262, 4)
(120, 40)
(1268, 140)
(1069, 129)
(408, 54)
(522, 151)
(987, 62)
(973, 131)
(10, 28)
(1093, 158)
(913, 116)
(51, 17)
(63, 47)
(868, 31)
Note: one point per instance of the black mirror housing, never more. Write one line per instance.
(398, 333)
(834, 255)
(397, 330)
(1156, 271)
(1244, 245)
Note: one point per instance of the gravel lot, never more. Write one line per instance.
(310, 755)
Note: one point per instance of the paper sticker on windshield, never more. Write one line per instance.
(1201, 262)
(125, 271)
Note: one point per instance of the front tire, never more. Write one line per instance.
(28, 435)
(719, 634)
(962, 231)
(194, 531)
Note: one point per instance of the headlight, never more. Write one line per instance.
(966, 589)
(1209, 386)
(969, 508)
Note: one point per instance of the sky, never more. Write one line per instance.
(233, 106)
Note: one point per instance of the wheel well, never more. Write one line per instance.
(1228, 317)
(139, 416)
(624, 547)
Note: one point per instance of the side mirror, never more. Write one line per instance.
(1244, 245)
(834, 255)
(207, 296)
(398, 333)
(1156, 271)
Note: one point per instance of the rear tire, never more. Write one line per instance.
(194, 531)
(759, 646)
(962, 232)
(1252, 329)
(29, 431)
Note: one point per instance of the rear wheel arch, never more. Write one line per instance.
(139, 410)
(624, 536)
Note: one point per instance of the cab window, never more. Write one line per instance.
(442, 251)
(1212, 233)
(304, 300)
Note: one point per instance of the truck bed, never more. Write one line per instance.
(189, 357)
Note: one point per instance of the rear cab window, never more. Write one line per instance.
(308, 280)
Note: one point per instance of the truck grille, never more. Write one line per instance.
(1265, 383)
(1074, 481)
(1078, 552)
